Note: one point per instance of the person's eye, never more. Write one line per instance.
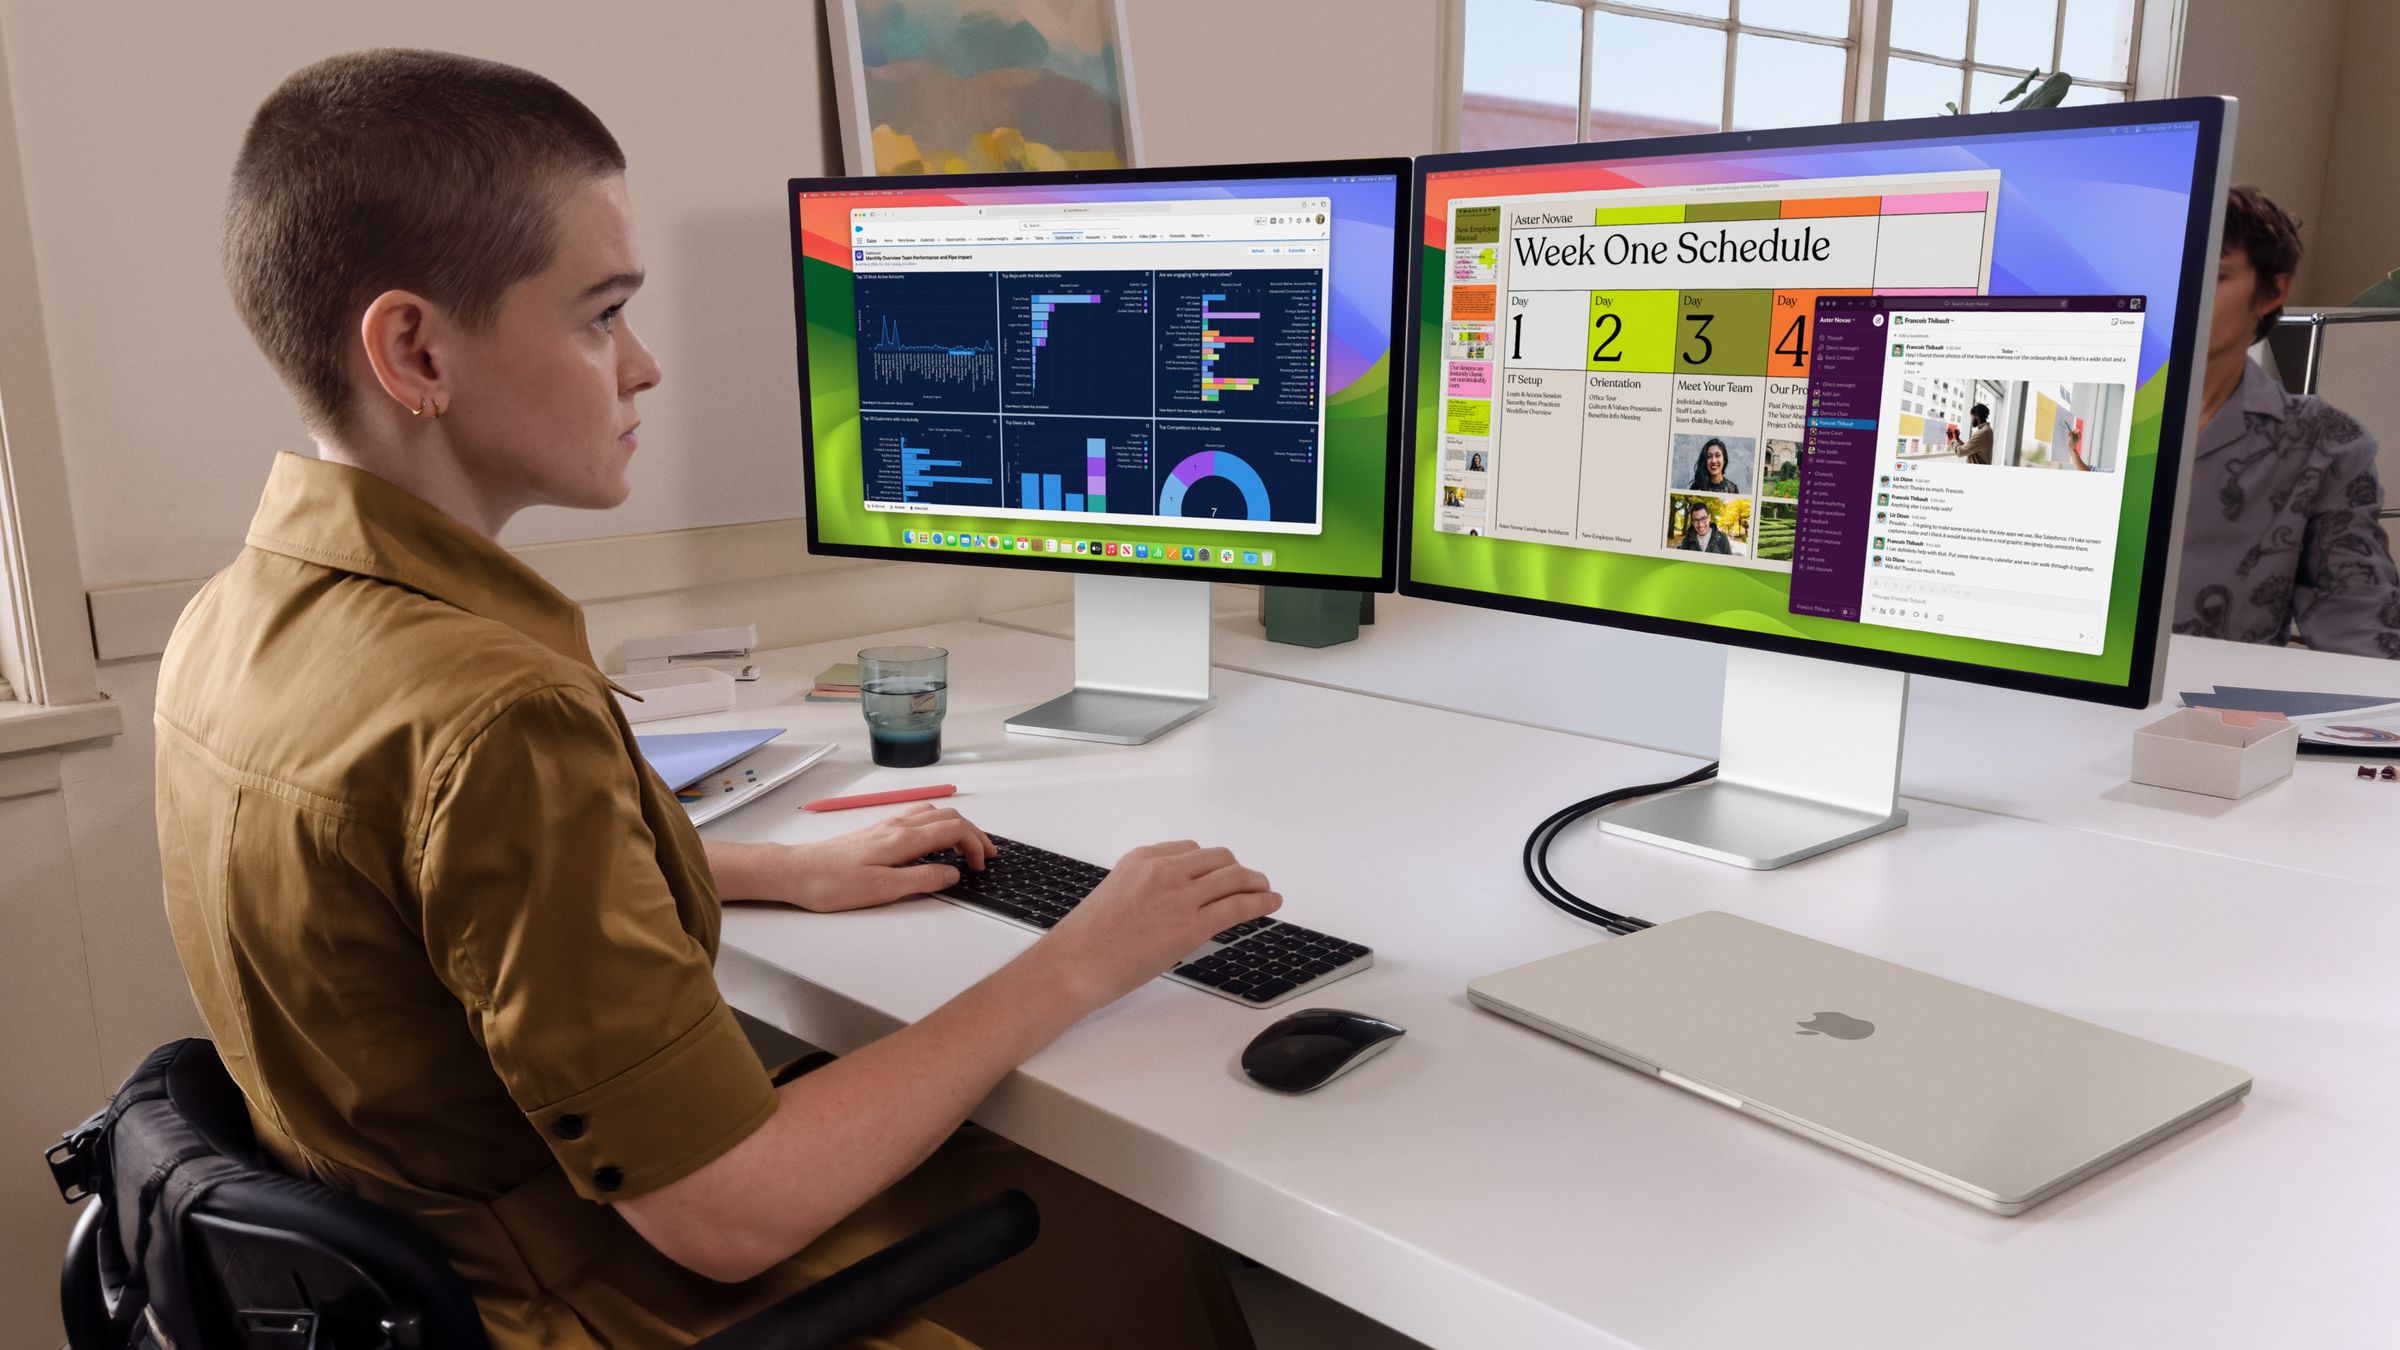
(608, 317)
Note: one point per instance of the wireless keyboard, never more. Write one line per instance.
(1260, 963)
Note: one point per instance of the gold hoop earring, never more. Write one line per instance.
(425, 406)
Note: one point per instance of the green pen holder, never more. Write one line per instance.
(1305, 617)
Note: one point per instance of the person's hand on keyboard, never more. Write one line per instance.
(875, 865)
(1159, 902)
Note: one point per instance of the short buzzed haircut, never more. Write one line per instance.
(396, 169)
(2269, 237)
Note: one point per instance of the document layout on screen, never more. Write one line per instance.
(1627, 370)
(1964, 465)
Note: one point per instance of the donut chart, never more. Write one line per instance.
(1214, 464)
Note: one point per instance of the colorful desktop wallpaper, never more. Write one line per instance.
(2098, 211)
(1359, 367)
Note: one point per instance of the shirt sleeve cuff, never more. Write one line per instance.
(663, 1119)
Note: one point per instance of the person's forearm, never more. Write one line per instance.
(742, 871)
(843, 1134)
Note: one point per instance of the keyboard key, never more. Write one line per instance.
(1262, 992)
(1238, 984)
(1319, 967)
(1199, 975)
(1353, 950)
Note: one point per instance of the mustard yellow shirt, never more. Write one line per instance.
(454, 940)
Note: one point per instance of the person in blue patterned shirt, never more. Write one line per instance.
(2280, 538)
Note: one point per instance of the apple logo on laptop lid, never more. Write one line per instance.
(1840, 1026)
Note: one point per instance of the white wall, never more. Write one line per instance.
(2359, 236)
(2320, 107)
(1239, 80)
(2282, 61)
(130, 119)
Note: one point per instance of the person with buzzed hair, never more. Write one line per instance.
(454, 941)
(2281, 537)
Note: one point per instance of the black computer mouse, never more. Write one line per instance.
(1314, 1046)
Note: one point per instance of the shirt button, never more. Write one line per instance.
(608, 1178)
(568, 1126)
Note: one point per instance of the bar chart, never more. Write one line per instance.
(1048, 491)
(1214, 341)
(1240, 344)
(916, 466)
(1043, 306)
(1075, 343)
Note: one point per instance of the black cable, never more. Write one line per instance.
(1537, 850)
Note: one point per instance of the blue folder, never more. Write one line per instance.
(684, 758)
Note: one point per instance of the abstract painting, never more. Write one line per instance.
(982, 86)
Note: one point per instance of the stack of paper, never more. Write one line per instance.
(837, 683)
(2330, 724)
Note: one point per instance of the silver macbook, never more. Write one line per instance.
(1996, 1102)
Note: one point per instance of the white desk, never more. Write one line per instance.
(1482, 1185)
(2055, 760)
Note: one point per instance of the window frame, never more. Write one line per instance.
(2151, 60)
(49, 659)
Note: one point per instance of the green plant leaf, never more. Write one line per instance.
(2022, 85)
(2052, 91)
(1951, 106)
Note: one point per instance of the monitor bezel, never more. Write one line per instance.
(1398, 433)
(2195, 289)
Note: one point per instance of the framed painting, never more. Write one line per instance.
(982, 86)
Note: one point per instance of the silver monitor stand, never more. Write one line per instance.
(1141, 663)
(1809, 761)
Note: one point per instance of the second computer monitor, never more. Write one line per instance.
(1855, 402)
(1908, 395)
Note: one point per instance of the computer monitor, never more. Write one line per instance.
(1149, 378)
(1856, 402)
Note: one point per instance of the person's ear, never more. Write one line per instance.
(2276, 294)
(402, 333)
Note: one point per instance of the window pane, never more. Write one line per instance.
(2019, 33)
(1917, 88)
(1781, 83)
(2083, 93)
(1828, 18)
(1523, 64)
(1654, 78)
(1707, 9)
(1984, 91)
(1934, 27)
(2098, 38)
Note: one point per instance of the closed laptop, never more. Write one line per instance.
(1996, 1102)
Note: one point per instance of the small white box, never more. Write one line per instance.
(2194, 750)
(682, 692)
